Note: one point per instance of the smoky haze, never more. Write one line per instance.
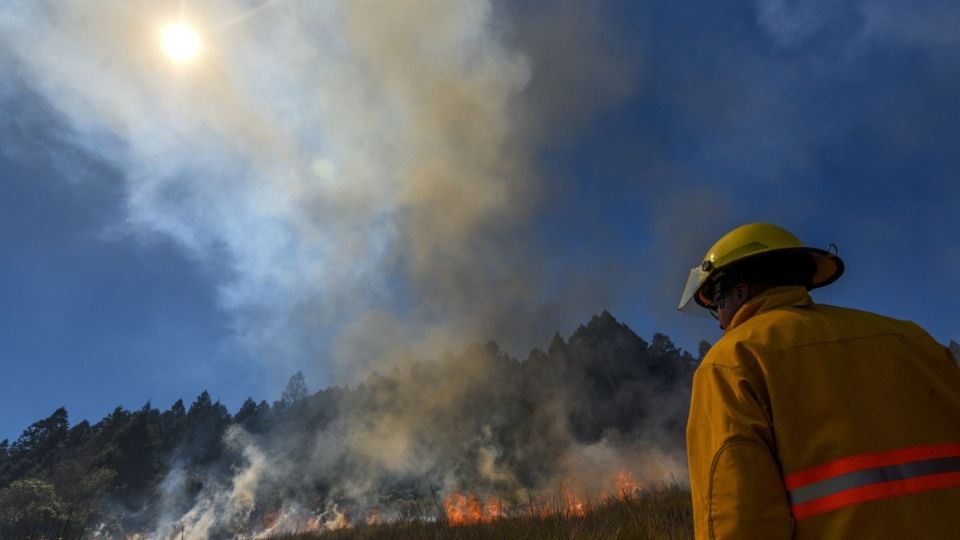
(566, 424)
(349, 168)
(363, 176)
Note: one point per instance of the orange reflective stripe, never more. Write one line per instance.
(876, 492)
(868, 461)
(874, 476)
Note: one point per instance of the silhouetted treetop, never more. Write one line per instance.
(461, 410)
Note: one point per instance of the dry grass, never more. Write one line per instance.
(658, 513)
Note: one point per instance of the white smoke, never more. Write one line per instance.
(216, 507)
(358, 171)
(315, 150)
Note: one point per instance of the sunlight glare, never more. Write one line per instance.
(181, 42)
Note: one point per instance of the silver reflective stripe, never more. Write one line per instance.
(876, 475)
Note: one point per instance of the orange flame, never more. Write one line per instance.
(626, 484)
(572, 506)
(340, 520)
(493, 508)
(295, 520)
(270, 519)
(468, 509)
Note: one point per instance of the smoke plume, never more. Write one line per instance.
(362, 177)
(575, 420)
(344, 166)
(334, 161)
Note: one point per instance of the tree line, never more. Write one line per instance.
(63, 480)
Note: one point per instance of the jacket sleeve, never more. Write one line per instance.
(735, 479)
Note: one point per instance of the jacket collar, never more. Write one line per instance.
(768, 300)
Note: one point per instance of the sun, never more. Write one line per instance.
(180, 42)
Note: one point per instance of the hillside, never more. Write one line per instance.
(586, 410)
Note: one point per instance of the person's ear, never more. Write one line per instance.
(742, 291)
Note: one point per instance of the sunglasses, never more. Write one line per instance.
(717, 301)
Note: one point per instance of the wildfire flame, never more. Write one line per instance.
(626, 484)
(468, 509)
(463, 509)
(296, 520)
(270, 519)
(339, 520)
(571, 505)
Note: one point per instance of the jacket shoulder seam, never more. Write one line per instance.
(739, 369)
(840, 340)
(748, 367)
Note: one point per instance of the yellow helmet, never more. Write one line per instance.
(748, 241)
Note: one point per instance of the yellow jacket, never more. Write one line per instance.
(813, 421)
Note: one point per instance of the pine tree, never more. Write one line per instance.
(139, 461)
(296, 390)
(205, 424)
(173, 425)
(39, 444)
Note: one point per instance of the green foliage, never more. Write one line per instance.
(39, 445)
(28, 504)
(605, 378)
(82, 486)
(173, 425)
(205, 424)
(4, 458)
(138, 460)
(295, 391)
(57, 478)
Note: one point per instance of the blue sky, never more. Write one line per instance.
(156, 239)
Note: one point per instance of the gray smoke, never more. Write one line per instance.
(362, 175)
(344, 166)
(570, 420)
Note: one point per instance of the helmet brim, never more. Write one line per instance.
(829, 269)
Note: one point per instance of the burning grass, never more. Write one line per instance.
(662, 512)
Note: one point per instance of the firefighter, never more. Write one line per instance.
(810, 421)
